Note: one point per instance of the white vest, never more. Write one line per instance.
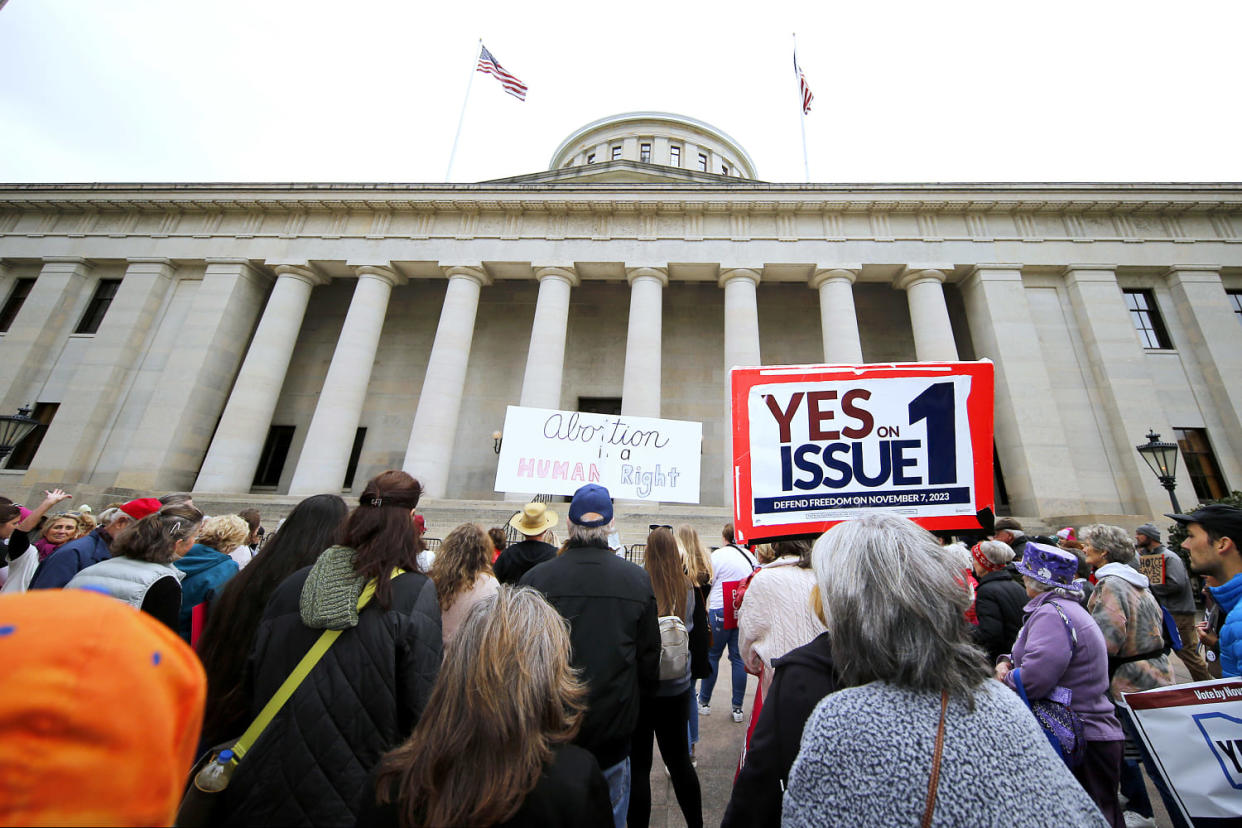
(125, 579)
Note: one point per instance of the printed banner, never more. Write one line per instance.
(815, 445)
(1194, 732)
(635, 458)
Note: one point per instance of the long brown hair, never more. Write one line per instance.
(381, 531)
(155, 537)
(698, 562)
(505, 696)
(462, 555)
(668, 579)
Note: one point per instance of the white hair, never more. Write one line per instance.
(998, 552)
(580, 535)
(1113, 541)
(959, 553)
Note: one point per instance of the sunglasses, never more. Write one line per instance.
(651, 527)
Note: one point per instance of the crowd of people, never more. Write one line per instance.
(339, 672)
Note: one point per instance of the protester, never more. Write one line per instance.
(1060, 648)
(228, 637)
(59, 530)
(665, 714)
(245, 552)
(777, 615)
(912, 679)
(463, 575)
(77, 555)
(699, 570)
(998, 600)
(208, 567)
(611, 609)
(367, 693)
(21, 556)
(493, 746)
(1131, 620)
(1009, 530)
(1176, 596)
(499, 541)
(99, 712)
(534, 522)
(1213, 535)
(729, 563)
(142, 571)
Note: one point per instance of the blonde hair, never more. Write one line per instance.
(224, 533)
(698, 562)
(463, 554)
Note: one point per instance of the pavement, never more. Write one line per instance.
(720, 744)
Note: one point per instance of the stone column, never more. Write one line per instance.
(234, 454)
(325, 451)
(1030, 438)
(102, 376)
(1215, 337)
(929, 315)
(429, 455)
(1119, 382)
(640, 389)
(45, 319)
(7, 280)
(545, 358)
(171, 439)
(741, 348)
(838, 321)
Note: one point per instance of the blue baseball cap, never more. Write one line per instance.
(591, 506)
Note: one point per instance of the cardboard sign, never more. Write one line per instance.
(1153, 567)
(816, 445)
(1194, 733)
(637, 458)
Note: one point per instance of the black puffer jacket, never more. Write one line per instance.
(998, 605)
(312, 764)
(615, 633)
(802, 677)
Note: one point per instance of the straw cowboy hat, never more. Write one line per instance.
(534, 519)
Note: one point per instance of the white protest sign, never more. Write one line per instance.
(1194, 732)
(636, 458)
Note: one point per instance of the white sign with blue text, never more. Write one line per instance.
(546, 451)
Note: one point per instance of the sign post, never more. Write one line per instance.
(816, 445)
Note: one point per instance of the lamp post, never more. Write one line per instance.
(13, 429)
(1162, 458)
(497, 439)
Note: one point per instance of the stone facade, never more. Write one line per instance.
(420, 311)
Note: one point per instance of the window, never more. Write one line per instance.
(24, 453)
(17, 298)
(600, 405)
(591, 158)
(703, 162)
(724, 169)
(1146, 319)
(616, 152)
(1201, 463)
(354, 454)
(275, 452)
(98, 306)
(674, 156)
(1235, 301)
(644, 153)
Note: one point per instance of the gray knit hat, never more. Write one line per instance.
(1150, 531)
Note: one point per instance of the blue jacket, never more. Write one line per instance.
(1229, 596)
(59, 568)
(206, 572)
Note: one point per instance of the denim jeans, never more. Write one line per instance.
(693, 728)
(618, 779)
(720, 638)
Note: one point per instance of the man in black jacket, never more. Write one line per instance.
(999, 600)
(615, 632)
(534, 522)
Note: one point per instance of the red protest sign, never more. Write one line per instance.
(814, 445)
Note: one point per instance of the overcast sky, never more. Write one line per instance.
(371, 90)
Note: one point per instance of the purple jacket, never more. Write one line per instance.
(1043, 653)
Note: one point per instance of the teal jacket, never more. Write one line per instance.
(1229, 595)
(206, 572)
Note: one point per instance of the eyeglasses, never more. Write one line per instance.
(651, 527)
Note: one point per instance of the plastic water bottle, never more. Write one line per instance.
(215, 777)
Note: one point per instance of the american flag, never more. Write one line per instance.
(807, 97)
(490, 66)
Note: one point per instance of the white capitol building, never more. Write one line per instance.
(286, 339)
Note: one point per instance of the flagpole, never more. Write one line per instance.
(806, 167)
(462, 118)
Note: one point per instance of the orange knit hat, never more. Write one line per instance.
(100, 712)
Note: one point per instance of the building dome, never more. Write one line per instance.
(658, 139)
